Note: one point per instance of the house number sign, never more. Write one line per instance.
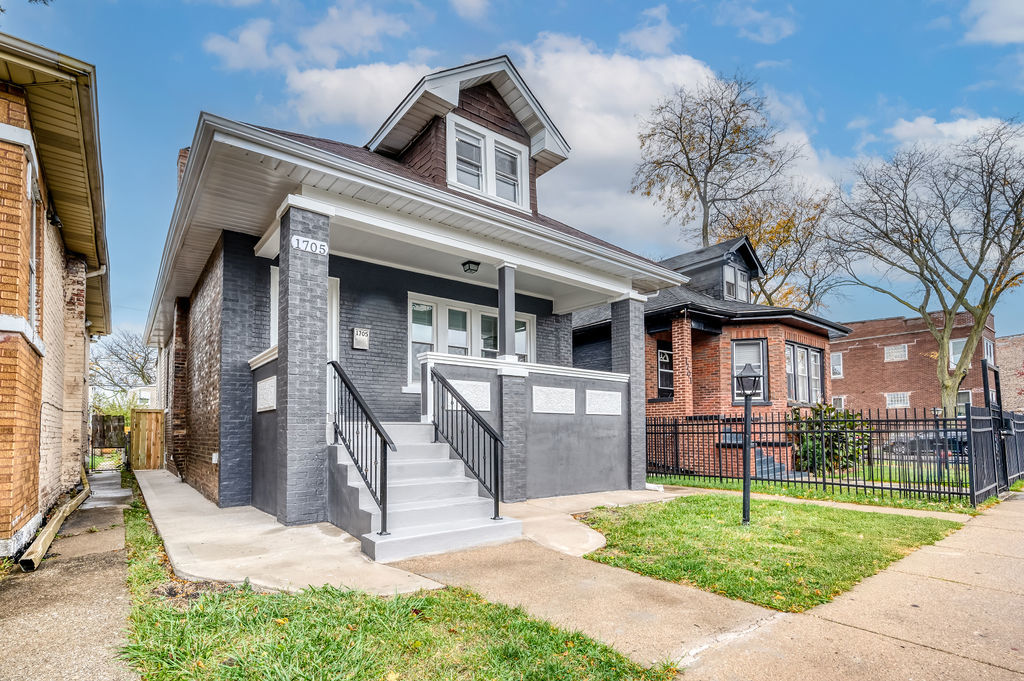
(309, 245)
(360, 339)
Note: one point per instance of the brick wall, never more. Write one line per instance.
(1010, 354)
(51, 445)
(76, 372)
(867, 377)
(427, 155)
(702, 364)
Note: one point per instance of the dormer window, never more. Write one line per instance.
(483, 162)
(737, 284)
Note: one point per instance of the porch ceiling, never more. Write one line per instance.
(238, 176)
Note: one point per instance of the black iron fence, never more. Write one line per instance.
(895, 453)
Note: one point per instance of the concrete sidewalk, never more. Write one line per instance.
(951, 611)
(204, 542)
(67, 619)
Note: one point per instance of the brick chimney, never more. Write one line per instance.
(182, 160)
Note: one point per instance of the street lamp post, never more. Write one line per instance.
(748, 381)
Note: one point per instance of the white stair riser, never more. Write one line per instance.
(409, 432)
(432, 491)
(384, 550)
(482, 509)
(420, 451)
(399, 470)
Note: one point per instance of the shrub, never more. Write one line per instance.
(829, 439)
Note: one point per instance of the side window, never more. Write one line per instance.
(748, 352)
(666, 373)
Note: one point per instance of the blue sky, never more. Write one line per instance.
(849, 80)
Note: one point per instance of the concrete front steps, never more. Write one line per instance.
(434, 503)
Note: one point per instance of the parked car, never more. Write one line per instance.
(944, 443)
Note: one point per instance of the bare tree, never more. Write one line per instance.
(122, 361)
(787, 227)
(705, 147)
(34, 2)
(941, 231)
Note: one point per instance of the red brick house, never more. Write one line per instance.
(889, 363)
(700, 334)
(1010, 350)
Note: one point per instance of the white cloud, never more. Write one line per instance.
(772, 64)
(654, 34)
(757, 25)
(994, 21)
(858, 123)
(247, 49)
(350, 28)
(360, 95)
(470, 9)
(927, 130)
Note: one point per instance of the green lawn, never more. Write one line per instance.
(181, 631)
(1017, 486)
(868, 498)
(791, 557)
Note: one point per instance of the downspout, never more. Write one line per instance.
(97, 272)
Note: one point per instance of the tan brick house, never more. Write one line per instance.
(54, 291)
(1010, 351)
(700, 334)
(889, 363)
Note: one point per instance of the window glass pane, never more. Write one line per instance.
(895, 353)
(458, 332)
(790, 373)
(963, 400)
(506, 189)
(839, 402)
(990, 351)
(743, 353)
(730, 282)
(468, 154)
(468, 177)
(665, 370)
(815, 377)
(836, 360)
(506, 163)
(522, 344)
(422, 323)
(467, 149)
(743, 289)
(956, 348)
(488, 336)
(801, 375)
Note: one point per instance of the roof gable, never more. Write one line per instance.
(438, 93)
(720, 252)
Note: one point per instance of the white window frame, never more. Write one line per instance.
(899, 353)
(490, 141)
(953, 360)
(730, 276)
(833, 364)
(970, 398)
(762, 394)
(670, 373)
(842, 402)
(441, 306)
(990, 351)
(899, 400)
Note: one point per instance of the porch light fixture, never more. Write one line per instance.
(471, 267)
(748, 383)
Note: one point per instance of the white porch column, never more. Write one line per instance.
(507, 312)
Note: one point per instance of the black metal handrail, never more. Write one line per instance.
(356, 427)
(474, 440)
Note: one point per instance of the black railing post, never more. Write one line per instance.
(496, 448)
(383, 486)
(971, 457)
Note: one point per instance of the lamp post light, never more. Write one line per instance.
(748, 383)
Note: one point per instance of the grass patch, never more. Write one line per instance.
(954, 505)
(181, 631)
(791, 557)
(1017, 486)
(6, 565)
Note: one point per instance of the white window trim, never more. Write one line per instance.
(762, 395)
(440, 331)
(490, 141)
(990, 350)
(842, 402)
(904, 358)
(890, 396)
(832, 364)
(953, 361)
(725, 282)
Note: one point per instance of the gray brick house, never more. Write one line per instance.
(350, 333)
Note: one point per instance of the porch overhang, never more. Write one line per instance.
(241, 178)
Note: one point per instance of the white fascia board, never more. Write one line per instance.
(359, 215)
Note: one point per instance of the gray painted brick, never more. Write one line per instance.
(627, 327)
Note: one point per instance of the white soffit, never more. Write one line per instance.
(438, 93)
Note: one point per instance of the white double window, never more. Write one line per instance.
(737, 284)
(457, 328)
(990, 351)
(486, 163)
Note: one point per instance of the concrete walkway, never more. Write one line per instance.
(67, 619)
(204, 542)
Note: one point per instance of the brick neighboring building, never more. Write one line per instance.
(891, 363)
(54, 291)
(1010, 351)
(700, 334)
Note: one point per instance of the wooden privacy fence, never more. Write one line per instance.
(147, 438)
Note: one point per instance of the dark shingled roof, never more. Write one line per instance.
(680, 297)
(684, 261)
(380, 162)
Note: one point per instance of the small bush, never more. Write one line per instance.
(829, 439)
